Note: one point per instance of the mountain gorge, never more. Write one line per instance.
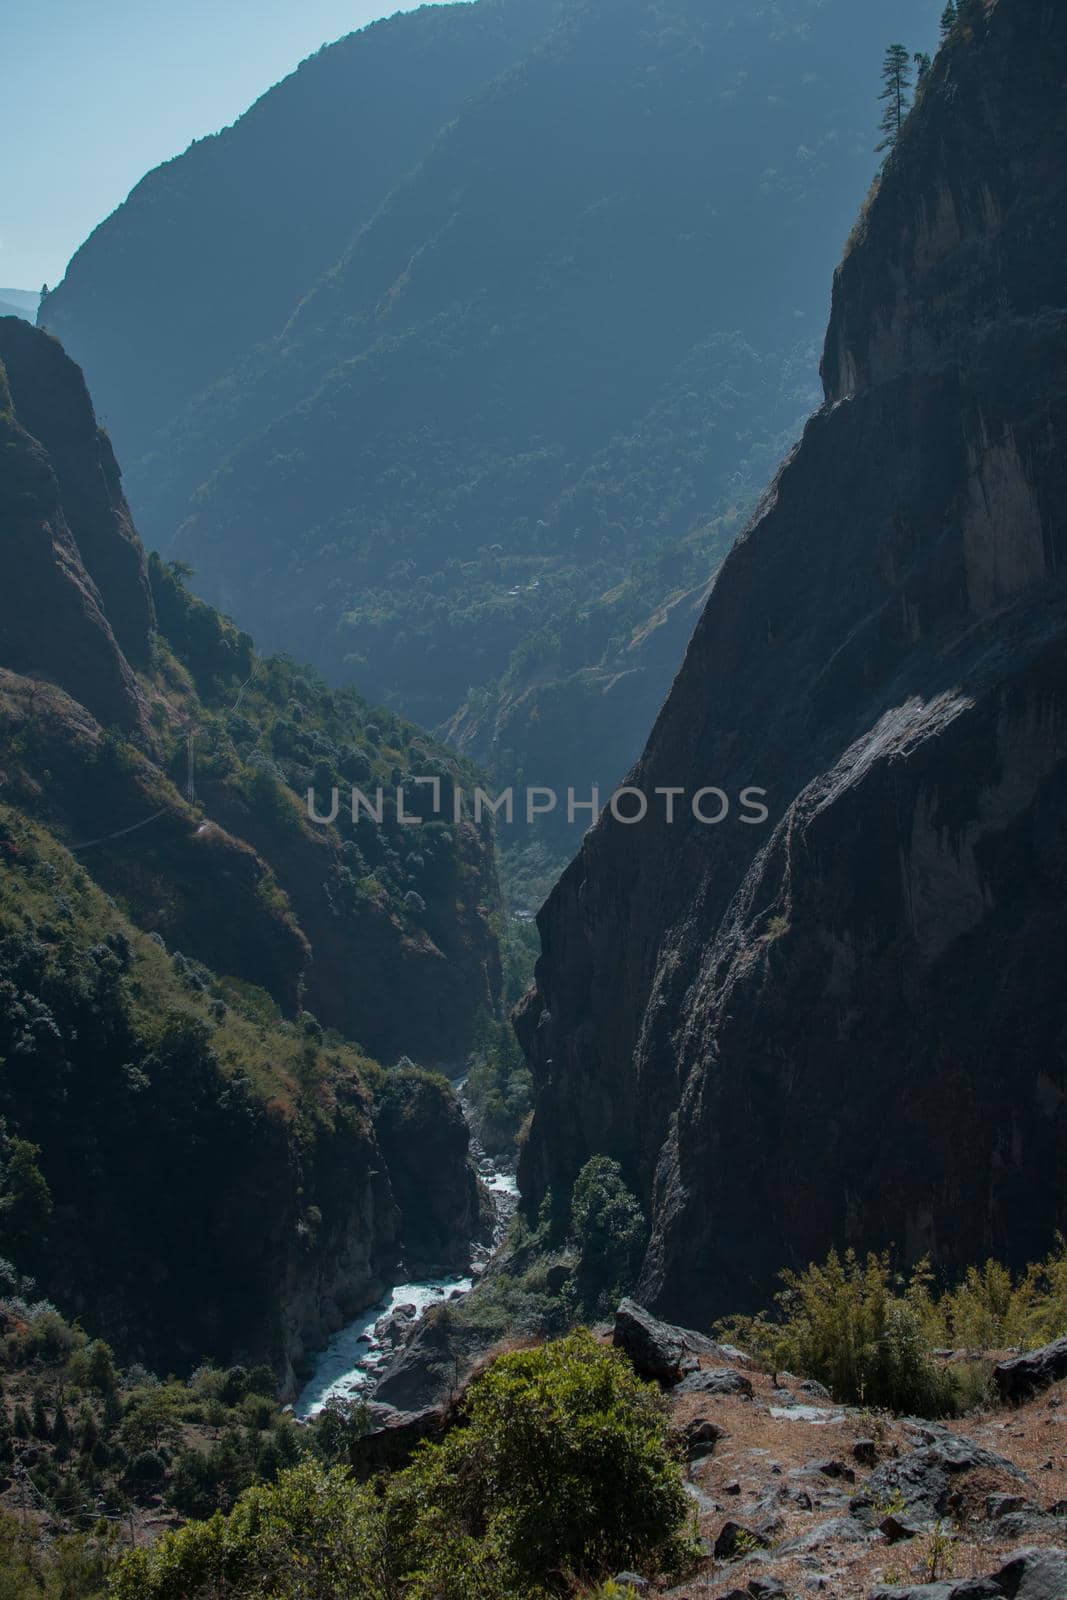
(848, 1026)
(186, 961)
(458, 366)
(474, 452)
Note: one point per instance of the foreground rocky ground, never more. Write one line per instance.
(796, 1495)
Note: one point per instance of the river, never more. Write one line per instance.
(353, 1360)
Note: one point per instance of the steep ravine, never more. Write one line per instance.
(356, 1356)
(849, 1026)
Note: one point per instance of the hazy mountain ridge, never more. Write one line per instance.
(212, 251)
(540, 362)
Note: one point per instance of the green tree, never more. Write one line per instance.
(948, 19)
(41, 1429)
(61, 1434)
(609, 1233)
(923, 63)
(93, 1367)
(25, 1198)
(895, 95)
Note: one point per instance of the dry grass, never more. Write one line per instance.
(766, 1457)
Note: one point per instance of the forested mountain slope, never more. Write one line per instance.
(186, 966)
(212, 251)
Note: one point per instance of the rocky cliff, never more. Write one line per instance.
(70, 551)
(848, 1025)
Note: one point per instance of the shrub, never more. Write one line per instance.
(870, 1336)
(848, 1324)
(561, 1469)
(147, 1467)
(308, 1537)
(93, 1367)
(989, 1310)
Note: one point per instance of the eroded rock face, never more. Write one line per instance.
(921, 1485)
(847, 1026)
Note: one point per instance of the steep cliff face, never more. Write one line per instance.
(241, 1205)
(848, 1025)
(52, 404)
(385, 932)
(69, 548)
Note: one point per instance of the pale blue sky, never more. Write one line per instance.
(97, 92)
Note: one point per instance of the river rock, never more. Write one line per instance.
(431, 1368)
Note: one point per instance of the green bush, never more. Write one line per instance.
(70, 1568)
(560, 1469)
(869, 1336)
(989, 1310)
(852, 1326)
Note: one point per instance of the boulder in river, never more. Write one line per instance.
(433, 1366)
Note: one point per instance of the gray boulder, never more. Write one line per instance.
(837, 1530)
(433, 1364)
(716, 1380)
(1025, 1375)
(660, 1349)
(769, 1588)
(736, 1540)
(921, 1484)
(1029, 1574)
(701, 1437)
(390, 1441)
